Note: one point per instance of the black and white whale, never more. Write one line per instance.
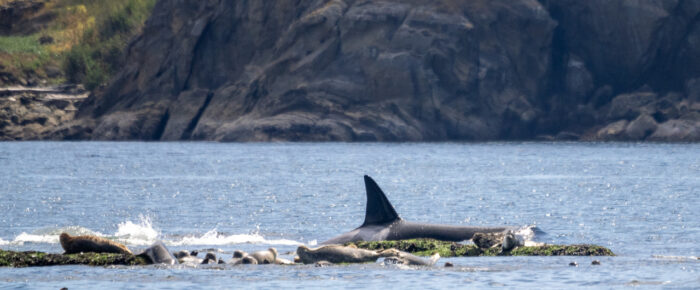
(383, 223)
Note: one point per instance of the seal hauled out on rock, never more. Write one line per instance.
(266, 257)
(78, 244)
(340, 254)
(403, 258)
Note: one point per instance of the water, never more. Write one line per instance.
(640, 200)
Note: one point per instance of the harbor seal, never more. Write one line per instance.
(238, 254)
(159, 254)
(403, 258)
(266, 257)
(83, 244)
(210, 258)
(340, 254)
(246, 260)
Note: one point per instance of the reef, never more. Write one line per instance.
(33, 259)
(426, 247)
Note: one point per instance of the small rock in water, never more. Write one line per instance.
(221, 261)
(323, 264)
(573, 264)
(595, 262)
(448, 264)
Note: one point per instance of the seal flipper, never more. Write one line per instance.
(379, 209)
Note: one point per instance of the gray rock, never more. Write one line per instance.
(399, 70)
(641, 127)
(332, 70)
(613, 131)
(677, 131)
(629, 106)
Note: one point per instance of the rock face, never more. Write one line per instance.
(42, 113)
(16, 17)
(414, 70)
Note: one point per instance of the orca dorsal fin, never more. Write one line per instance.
(379, 209)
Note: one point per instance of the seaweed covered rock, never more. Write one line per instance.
(32, 259)
(426, 247)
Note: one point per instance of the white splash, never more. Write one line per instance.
(31, 238)
(526, 233)
(140, 234)
(50, 236)
(214, 238)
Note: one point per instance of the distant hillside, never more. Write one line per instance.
(79, 41)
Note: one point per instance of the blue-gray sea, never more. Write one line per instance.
(640, 200)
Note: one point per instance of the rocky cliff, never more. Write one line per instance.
(415, 70)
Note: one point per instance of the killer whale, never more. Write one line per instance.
(383, 223)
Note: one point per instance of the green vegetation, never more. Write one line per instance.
(32, 259)
(100, 52)
(86, 38)
(426, 247)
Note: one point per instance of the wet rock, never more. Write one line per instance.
(629, 106)
(677, 131)
(426, 247)
(449, 265)
(667, 107)
(573, 264)
(612, 131)
(641, 127)
(595, 262)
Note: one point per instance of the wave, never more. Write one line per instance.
(142, 233)
(214, 238)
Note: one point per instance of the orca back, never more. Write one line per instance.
(379, 209)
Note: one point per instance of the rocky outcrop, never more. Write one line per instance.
(42, 113)
(408, 71)
(23, 17)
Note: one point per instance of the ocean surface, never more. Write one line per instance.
(640, 200)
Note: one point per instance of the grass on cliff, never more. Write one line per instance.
(89, 37)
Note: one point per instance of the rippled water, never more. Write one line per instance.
(640, 200)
